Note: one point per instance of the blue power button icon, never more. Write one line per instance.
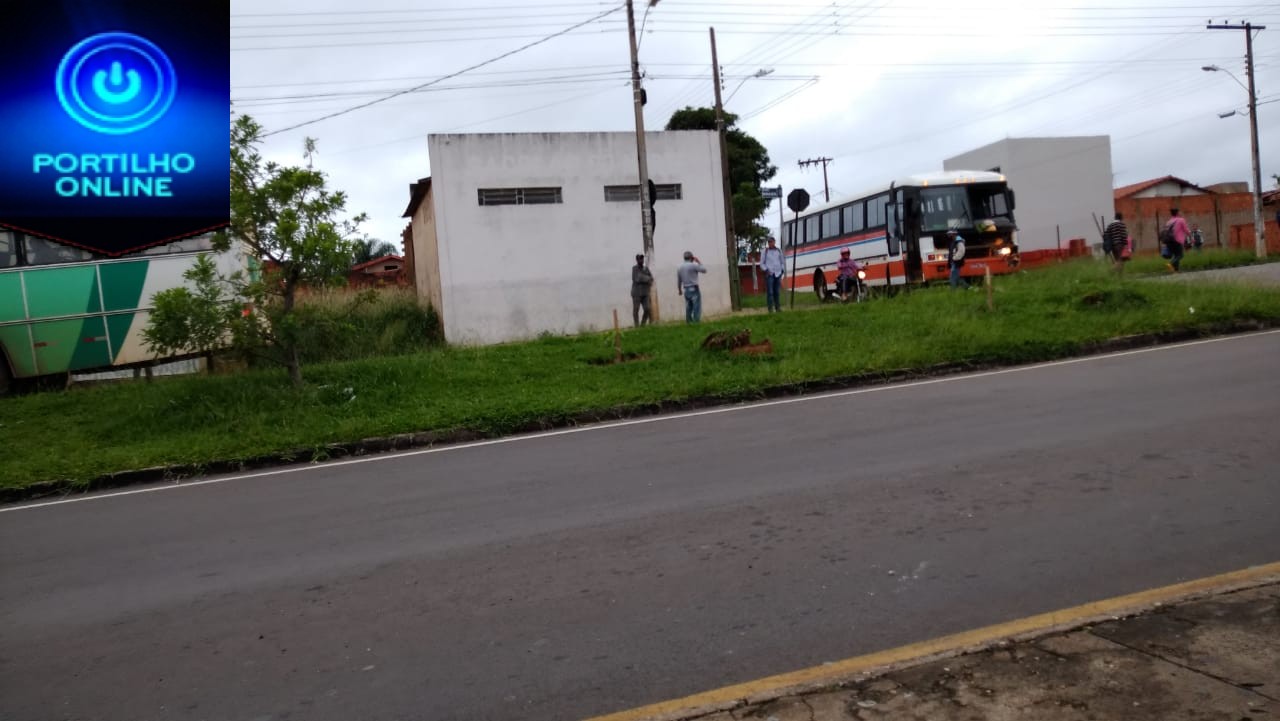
(115, 83)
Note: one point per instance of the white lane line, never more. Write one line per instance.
(633, 422)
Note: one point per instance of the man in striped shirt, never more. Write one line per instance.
(1115, 239)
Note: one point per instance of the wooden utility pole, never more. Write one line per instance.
(826, 190)
(731, 244)
(646, 216)
(1259, 230)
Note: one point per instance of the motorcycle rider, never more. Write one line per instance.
(847, 280)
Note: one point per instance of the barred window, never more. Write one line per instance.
(519, 196)
(631, 193)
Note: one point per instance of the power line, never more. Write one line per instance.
(451, 75)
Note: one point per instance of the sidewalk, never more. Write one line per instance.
(1217, 657)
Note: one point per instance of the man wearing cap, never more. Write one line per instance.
(955, 256)
(687, 286)
(641, 284)
(774, 266)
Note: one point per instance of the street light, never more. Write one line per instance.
(1260, 240)
(757, 74)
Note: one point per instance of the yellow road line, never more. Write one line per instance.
(849, 669)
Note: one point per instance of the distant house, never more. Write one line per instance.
(1167, 187)
(1146, 207)
(379, 272)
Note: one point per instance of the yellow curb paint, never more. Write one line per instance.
(829, 674)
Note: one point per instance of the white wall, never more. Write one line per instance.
(512, 272)
(1059, 182)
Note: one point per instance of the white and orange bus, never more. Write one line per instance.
(898, 233)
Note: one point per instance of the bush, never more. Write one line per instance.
(338, 325)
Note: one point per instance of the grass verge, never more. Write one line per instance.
(88, 432)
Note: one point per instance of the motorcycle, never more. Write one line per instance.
(856, 291)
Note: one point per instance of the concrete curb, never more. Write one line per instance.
(838, 674)
(406, 441)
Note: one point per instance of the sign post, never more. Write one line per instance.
(797, 201)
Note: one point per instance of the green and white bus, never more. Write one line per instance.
(64, 309)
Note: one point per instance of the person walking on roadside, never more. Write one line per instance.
(774, 266)
(1115, 241)
(641, 285)
(1197, 237)
(955, 257)
(687, 286)
(1174, 237)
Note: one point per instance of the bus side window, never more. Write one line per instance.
(8, 249)
(893, 214)
(47, 252)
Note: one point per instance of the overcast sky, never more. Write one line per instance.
(885, 87)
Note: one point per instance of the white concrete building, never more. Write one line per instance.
(1060, 184)
(518, 234)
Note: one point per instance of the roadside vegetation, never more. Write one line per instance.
(87, 432)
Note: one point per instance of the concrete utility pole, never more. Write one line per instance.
(826, 191)
(646, 216)
(1259, 231)
(731, 242)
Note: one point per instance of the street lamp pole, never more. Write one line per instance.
(1259, 231)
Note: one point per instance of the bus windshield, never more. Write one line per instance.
(990, 201)
(943, 208)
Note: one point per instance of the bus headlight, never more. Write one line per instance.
(1006, 251)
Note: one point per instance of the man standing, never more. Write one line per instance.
(641, 284)
(774, 265)
(1115, 239)
(955, 256)
(1175, 238)
(687, 284)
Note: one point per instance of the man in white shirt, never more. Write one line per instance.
(687, 278)
(774, 265)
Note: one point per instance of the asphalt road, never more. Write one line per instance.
(578, 573)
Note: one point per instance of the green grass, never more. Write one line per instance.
(86, 432)
(1193, 260)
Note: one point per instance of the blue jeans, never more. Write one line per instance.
(955, 276)
(772, 291)
(692, 305)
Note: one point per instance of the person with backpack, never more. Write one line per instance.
(955, 257)
(1115, 242)
(1173, 238)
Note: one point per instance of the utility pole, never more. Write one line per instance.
(826, 190)
(646, 217)
(1259, 231)
(731, 243)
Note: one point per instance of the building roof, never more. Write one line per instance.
(1130, 190)
(375, 261)
(417, 193)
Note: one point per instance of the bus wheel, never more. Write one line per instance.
(6, 377)
(820, 285)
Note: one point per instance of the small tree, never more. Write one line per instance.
(289, 222)
(286, 217)
(196, 319)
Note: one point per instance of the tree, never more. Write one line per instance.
(749, 168)
(196, 319)
(369, 249)
(290, 223)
